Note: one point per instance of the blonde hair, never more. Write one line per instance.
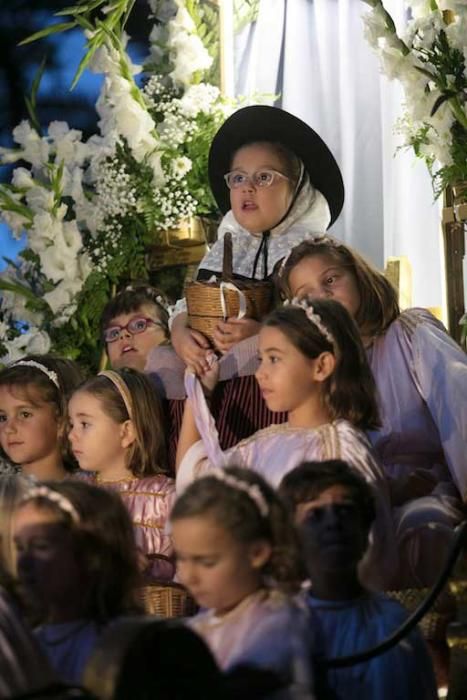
(147, 455)
(12, 489)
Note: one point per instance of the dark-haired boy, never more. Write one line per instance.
(334, 510)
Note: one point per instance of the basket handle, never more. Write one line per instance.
(227, 270)
(241, 298)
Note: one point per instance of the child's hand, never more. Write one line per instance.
(232, 331)
(210, 377)
(192, 347)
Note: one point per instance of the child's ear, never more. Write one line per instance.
(324, 366)
(127, 433)
(259, 553)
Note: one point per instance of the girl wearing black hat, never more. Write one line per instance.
(277, 183)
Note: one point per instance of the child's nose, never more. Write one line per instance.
(10, 426)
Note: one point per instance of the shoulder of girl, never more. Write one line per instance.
(410, 319)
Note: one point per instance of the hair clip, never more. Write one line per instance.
(313, 317)
(252, 490)
(62, 502)
(42, 368)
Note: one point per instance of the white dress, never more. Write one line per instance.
(275, 451)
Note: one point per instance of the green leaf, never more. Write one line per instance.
(20, 289)
(53, 29)
(83, 65)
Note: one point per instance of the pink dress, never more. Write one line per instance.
(149, 501)
(275, 451)
(421, 376)
(265, 630)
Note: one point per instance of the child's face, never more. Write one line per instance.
(321, 277)
(29, 429)
(49, 572)
(98, 442)
(218, 570)
(259, 209)
(331, 531)
(132, 350)
(285, 376)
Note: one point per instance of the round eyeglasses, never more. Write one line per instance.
(134, 326)
(261, 178)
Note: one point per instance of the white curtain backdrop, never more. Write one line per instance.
(312, 54)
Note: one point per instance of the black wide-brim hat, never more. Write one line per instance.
(264, 123)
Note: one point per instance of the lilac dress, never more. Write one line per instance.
(266, 630)
(149, 501)
(421, 376)
(275, 451)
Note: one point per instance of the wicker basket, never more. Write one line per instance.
(211, 302)
(166, 600)
(433, 625)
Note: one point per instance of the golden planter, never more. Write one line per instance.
(184, 245)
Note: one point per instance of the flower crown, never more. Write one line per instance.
(315, 240)
(42, 368)
(152, 293)
(312, 316)
(62, 502)
(253, 491)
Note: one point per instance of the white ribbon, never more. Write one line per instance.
(241, 297)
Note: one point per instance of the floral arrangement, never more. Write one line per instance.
(91, 208)
(429, 58)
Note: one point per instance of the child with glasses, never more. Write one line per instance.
(133, 323)
(276, 182)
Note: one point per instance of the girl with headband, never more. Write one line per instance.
(77, 568)
(421, 377)
(313, 368)
(33, 415)
(237, 555)
(117, 434)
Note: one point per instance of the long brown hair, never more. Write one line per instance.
(147, 455)
(37, 387)
(378, 298)
(239, 514)
(105, 544)
(350, 391)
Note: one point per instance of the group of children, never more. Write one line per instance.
(335, 454)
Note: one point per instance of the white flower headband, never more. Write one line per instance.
(320, 238)
(313, 317)
(150, 292)
(42, 368)
(63, 503)
(252, 490)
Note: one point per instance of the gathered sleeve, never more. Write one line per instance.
(440, 368)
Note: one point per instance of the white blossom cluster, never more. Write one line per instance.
(122, 110)
(432, 133)
(175, 203)
(186, 50)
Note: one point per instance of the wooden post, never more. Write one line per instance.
(454, 218)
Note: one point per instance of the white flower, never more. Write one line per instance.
(10, 155)
(191, 56)
(32, 342)
(14, 221)
(40, 198)
(35, 149)
(181, 166)
(198, 98)
(22, 178)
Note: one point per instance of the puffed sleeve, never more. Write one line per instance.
(440, 368)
